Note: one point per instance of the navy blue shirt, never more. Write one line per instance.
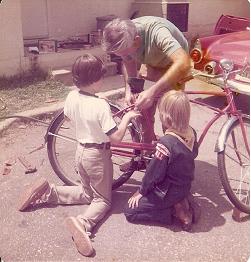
(177, 168)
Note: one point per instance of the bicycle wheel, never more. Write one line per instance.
(61, 148)
(233, 165)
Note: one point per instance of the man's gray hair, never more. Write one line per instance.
(118, 34)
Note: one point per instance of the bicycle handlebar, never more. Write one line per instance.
(216, 76)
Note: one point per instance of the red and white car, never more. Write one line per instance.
(231, 40)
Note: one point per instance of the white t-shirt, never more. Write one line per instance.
(92, 117)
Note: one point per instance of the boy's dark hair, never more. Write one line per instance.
(87, 69)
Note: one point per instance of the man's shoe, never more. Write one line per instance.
(79, 236)
(194, 207)
(33, 193)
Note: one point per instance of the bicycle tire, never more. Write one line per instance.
(66, 171)
(234, 183)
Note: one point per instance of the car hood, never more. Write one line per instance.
(234, 46)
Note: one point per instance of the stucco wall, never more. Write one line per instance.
(65, 18)
(203, 14)
(79, 16)
(11, 38)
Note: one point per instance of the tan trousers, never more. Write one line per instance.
(96, 171)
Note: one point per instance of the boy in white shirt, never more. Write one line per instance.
(95, 129)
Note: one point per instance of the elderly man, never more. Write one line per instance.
(151, 48)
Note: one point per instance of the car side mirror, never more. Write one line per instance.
(226, 65)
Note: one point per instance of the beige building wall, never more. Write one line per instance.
(203, 14)
(49, 18)
(11, 38)
(63, 18)
(67, 18)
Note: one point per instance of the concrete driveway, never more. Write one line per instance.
(40, 235)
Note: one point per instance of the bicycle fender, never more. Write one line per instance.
(220, 143)
(51, 124)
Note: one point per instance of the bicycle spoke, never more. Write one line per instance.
(240, 191)
(238, 153)
(63, 137)
(234, 166)
(235, 146)
(232, 158)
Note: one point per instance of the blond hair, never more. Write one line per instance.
(174, 108)
(118, 34)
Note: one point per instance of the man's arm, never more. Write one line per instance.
(181, 64)
(129, 69)
(180, 67)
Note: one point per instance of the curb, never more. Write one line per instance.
(50, 110)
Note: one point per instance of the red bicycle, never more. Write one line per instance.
(232, 146)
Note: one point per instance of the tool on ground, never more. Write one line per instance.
(27, 165)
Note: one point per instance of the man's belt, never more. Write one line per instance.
(97, 146)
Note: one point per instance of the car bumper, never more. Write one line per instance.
(235, 84)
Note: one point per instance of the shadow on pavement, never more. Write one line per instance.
(206, 188)
(208, 193)
(242, 102)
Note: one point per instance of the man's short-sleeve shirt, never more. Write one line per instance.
(92, 117)
(160, 38)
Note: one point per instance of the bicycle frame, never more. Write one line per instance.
(229, 145)
(116, 147)
(230, 109)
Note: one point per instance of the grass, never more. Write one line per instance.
(33, 75)
(16, 96)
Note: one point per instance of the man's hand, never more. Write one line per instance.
(130, 98)
(134, 199)
(144, 100)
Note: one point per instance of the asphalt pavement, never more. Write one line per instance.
(40, 235)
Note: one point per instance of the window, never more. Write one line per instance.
(178, 15)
